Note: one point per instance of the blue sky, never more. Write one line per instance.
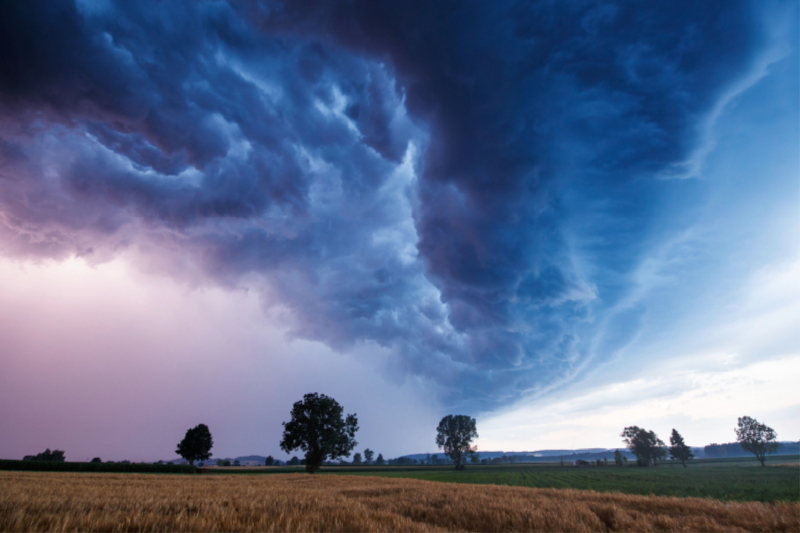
(561, 218)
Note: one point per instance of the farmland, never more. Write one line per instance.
(739, 479)
(48, 501)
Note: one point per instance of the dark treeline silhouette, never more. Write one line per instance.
(752, 437)
(319, 428)
(56, 456)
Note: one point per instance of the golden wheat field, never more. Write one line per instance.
(43, 501)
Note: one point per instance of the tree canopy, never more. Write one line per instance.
(645, 445)
(455, 434)
(756, 438)
(56, 456)
(318, 428)
(196, 445)
(678, 449)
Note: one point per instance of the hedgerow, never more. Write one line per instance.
(142, 468)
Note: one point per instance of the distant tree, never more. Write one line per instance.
(678, 449)
(454, 434)
(474, 458)
(756, 438)
(562, 460)
(380, 461)
(618, 458)
(294, 461)
(220, 462)
(486, 462)
(598, 462)
(269, 461)
(660, 454)
(237, 463)
(196, 445)
(56, 456)
(357, 459)
(645, 445)
(368, 455)
(318, 428)
(98, 460)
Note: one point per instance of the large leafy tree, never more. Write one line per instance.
(318, 428)
(678, 449)
(455, 434)
(196, 445)
(645, 445)
(756, 438)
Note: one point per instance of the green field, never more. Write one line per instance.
(739, 479)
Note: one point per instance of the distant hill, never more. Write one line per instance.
(247, 460)
(731, 449)
(540, 456)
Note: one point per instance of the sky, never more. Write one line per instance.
(560, 218)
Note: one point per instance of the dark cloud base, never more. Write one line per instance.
(408, 173)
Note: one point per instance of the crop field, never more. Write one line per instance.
(727, 480)
(57, 501)
(720, 482)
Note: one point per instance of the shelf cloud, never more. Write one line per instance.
(471, 186)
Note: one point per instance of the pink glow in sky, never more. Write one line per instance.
(102, 361)
(208, 210)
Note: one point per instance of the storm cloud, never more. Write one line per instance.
(433, 177)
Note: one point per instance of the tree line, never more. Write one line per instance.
(319, 428)
(753, 436)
